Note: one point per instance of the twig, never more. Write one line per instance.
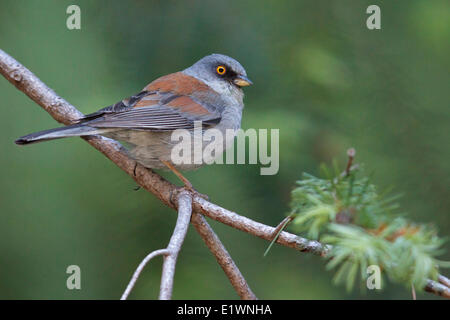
(350, 166)
(260, 230)
(139, 269)
(174, 247)
(413, 292)
(438, 289)
(222, 256)
(170, 253)
(65, 113)
(351, 155)
(444, 280)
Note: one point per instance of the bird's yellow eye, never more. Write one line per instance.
(221, 70)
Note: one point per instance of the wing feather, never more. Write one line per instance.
(165, 104)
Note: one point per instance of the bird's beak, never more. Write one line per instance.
(242, 81)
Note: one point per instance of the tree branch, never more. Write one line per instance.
(444, 280)
(139, 269)
(438, 289)
(65, 113)
(260, 230)
(174, 247)
(222, 256)
(170, 253)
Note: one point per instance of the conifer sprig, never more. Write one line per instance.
(364, 228)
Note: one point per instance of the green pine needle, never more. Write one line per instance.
(364, 228)
(277, 235)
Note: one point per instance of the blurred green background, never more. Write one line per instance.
(320, 76)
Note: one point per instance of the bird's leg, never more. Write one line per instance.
(187, 183)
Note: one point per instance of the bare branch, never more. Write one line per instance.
(263, 231)
(223, 257)
(351, 155)
(139, 269)
(28, 83)
(438, 289)
(174, 247)
(444, 280)
(64, 112)
(170, 253)
(350, 166)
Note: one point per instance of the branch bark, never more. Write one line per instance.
(139, 269)
(170, 253)
(444, 280)
(437, 289)
(174, 247)
(65, 113)
(260, 230)
(223, 258)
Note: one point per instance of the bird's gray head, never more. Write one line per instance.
(222, 73)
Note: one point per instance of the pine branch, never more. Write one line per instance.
(365, 229)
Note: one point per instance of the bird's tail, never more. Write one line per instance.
(57, 133)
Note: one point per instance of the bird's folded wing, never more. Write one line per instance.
(156, 118)
(153, 111)
(171, 102)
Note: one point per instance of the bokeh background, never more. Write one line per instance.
(320, 76)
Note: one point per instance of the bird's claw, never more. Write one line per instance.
(194, 192)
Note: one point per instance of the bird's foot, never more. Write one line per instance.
(188, 186)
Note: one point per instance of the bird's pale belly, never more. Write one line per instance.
(150, 147)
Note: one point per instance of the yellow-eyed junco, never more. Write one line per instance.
(209, 91)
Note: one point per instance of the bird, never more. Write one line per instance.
(208, 92)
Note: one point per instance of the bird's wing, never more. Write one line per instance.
(171, 102)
